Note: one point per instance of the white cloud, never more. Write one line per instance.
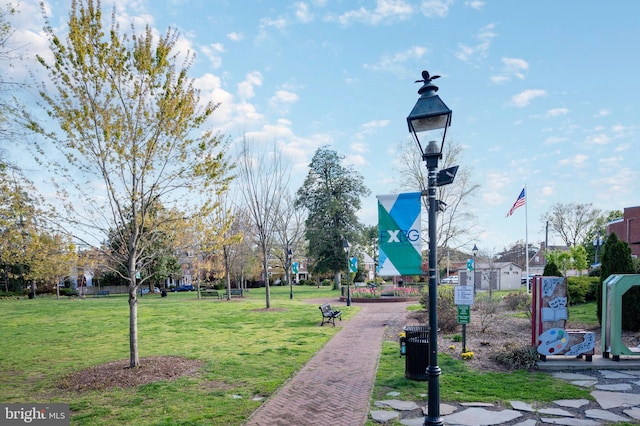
(282, 99)
(370, 128)
(356, 159)
(554, 140)
(385, 11)
(556, 112)
(622, 147)
(474, 4)
(522, 99)
(547, 190)
(479, 51)
(576, 160)
(598, 139)
(603, 113)
(302, 12)
(245, 88)
(395, 63)
(498, 79)
(211, 51)
(435, 8)
(234, 36)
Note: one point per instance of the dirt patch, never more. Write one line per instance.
(117, 374)
(484, 336)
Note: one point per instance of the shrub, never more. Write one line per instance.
(582, 289)
(516, 357)
(487, 307)
(326, 283)
(516, 301)
(447, 310)
(551, 270)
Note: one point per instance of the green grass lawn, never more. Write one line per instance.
(246, 351)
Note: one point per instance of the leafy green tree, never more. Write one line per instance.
(131, 134)
(331, 194)
(562, 260)
(616, 259)
(599, 230)
(21, 223)
(578, 258)
(551, 269)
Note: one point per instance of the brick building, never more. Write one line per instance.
(627, 228)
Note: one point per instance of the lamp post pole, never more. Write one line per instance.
(597, 242)
(289, 258)
(433, 371)
(429, 114)
(346, 247)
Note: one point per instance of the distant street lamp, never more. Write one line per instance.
(429, 114)
(346, 246)
(289, 258)
(597, 242)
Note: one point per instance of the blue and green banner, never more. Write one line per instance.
(399, 228)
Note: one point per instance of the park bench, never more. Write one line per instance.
(329, 315)
(210, 293)
(236, 292)
(104, 293)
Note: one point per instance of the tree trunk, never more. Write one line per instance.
(134, 360)
(266, 281)
(336, 280)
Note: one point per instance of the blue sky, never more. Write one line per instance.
(543, 93)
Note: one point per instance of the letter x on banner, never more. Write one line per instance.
(399, 241)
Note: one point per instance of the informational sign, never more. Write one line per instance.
(463, 295)
(464, 314)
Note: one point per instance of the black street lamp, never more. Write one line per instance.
(429, 114)
(346, 246)
(598, 241)
(289, 258)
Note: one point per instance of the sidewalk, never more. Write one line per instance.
(334, 387)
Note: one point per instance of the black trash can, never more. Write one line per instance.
(417, 352)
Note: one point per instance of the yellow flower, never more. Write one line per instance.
(402, 334)
(467, 355)
(452, 347)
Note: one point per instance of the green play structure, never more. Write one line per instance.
(615, 286)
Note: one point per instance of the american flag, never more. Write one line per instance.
(522, 199)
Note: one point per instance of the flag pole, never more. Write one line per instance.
(526, 236)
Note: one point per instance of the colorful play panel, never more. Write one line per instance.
(549, 315)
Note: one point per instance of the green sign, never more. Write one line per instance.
(464, 314)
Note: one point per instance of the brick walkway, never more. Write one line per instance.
(335, 386)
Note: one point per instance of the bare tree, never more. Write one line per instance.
(263, 179)
(455, 223)
(290, 232)
(572, 221)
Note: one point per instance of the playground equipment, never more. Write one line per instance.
(612, 291)
(549, 315)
